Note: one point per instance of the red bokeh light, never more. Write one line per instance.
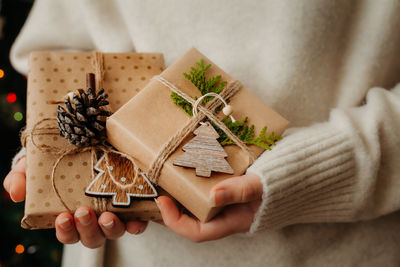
(11, 97)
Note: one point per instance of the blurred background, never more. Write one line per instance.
(18, 247)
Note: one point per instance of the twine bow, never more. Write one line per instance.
(172, 144)
(100, 204)
(167, 149)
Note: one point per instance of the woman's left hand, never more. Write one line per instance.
(243, 195)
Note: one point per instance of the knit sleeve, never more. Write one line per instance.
(342, 170)
(18, 156)
(72, 25)
(51, 25)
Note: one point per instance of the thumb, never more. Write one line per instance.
(15, 183)
(240, 189)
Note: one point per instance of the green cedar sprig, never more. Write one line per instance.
(205, 85)
(246, 134)
(239, 128)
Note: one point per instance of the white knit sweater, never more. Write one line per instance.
(332, 185)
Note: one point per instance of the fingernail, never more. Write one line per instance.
(65, 224)
(212, 199)
(11, 194)
(83, 217)
(139, 231)
(109, 225)
(158, 203)
(220, 197)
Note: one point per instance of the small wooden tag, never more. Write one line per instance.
(117, 177)
(204, 153)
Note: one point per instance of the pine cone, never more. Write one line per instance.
(83, 119)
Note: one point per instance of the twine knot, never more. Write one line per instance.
(172, 144)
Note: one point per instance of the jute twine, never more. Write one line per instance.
(100, 204)
(172, 144)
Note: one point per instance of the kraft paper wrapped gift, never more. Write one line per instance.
(52, 75)
(143, 125)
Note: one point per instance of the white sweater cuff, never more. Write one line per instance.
(308, 177)
(18, 156)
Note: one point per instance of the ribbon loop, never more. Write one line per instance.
(100, 204)
(197, 102)
(172, 144)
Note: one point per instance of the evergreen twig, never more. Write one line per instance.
(246, 134)
(239, 128)
(198, 77)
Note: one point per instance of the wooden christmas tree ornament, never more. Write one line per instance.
(204, 153)
(119, 177)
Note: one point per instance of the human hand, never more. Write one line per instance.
(83, 225)
(243, 195)
(14, 183)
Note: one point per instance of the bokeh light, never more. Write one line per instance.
(1, 73)
(32, 249)
(18, 116)
(19, 249)
(11, 97)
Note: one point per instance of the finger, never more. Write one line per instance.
(136, 227)
(240, 189)
(18, 168)
(89, 231)
(111, 225)
(65, 229)
(234, 219)
(181, 224)
(6, 182)
(15, 182)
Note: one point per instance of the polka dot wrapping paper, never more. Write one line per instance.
(140, 132)
(52, 75)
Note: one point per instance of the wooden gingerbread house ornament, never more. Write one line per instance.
(204, 153)
(118, 177)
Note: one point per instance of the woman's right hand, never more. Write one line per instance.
(83, 225)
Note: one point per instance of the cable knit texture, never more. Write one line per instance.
(309, 177)
(329, 172)
(331, 185)
(18, 156)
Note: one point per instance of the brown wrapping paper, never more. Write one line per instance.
(144, 124)
(52, 75)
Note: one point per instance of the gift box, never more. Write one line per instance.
(52, 75)
(144, 125)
